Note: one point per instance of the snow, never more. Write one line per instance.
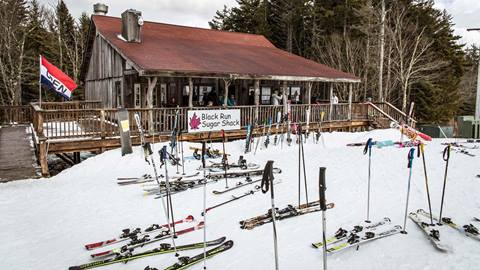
(45, 222)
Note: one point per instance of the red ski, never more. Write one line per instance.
(127, 233)
(145, 241)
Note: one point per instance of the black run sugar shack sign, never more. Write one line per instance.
(213, 120)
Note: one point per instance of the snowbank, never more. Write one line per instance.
(45, 222)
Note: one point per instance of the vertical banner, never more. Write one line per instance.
(213, 120)
(124, 128)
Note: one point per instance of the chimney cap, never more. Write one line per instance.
(100, 9)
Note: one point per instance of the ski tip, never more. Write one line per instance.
(189, 218)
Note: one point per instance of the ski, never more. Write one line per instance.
(285, 213)
(431, 231)
(145, 240)
(185, 262)
(355, 239)
(127, 234)
(279, 119)
(248, 181)
(269, 133)
(469, 229)
(145, 176)
(240, 173)
(247, 138)
(135, 182)
(342, 234)
(162, 249)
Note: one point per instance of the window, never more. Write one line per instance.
(154, 97)
(137, 96)
(118, 94)
(163, 94)
(295, 94)
(266, 93)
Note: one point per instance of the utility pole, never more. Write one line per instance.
(382, 49)
(477, 102)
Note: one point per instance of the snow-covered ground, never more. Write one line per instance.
(45, 222)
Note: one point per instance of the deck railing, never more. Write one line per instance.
(21, 114)
(102, 123)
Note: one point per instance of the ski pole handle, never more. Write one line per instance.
(446, 153)
(368, 147)
(203, 154)
(322, 188)
(411, 155)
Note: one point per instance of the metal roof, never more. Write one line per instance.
(172, 50)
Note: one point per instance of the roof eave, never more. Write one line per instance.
(194, 74)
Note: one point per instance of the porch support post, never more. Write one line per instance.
(350, 93)
(152, 81)
(225, 95)
(285, 98)
(190, 93)
(256, 86)
(331, 102)
(309, 103)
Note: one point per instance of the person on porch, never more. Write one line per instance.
(231, 101)
(276, 99)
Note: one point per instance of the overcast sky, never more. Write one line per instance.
(466, 13)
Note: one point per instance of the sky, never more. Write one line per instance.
(466, 13)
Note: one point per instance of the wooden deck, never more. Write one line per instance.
(73, 127)
(17, 154)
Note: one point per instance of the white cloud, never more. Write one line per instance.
(466, 14)
(183, 12)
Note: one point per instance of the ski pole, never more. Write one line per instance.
(368, 148)
(411, 155)
(267, 183)
(163, 159)
(183, 159)
(323, 206)
(304, 168)
(224, 160)
(421, 150)
(446, 158)
(204, 207)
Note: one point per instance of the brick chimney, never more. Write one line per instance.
(132, 25)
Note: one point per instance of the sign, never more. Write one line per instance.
(213, 120)
(124, 129)
(55, 80)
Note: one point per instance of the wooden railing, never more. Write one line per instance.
(386, 109)
(21, 114)
(102, 123)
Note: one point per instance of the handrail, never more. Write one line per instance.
(382, 112)
(399, 111)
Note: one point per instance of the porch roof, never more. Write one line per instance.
(172, 50)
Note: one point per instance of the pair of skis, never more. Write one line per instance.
(185, 262)
(432, 231)
(358, 235)
(163, 248)
(284, 213)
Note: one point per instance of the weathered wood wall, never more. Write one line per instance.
(105, 68)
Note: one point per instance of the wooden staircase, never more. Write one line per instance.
(382, 114)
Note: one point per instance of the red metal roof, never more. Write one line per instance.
(172, 48)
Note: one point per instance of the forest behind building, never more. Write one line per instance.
(403, 50)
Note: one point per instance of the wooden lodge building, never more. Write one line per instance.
(135, 64)
(150, 68)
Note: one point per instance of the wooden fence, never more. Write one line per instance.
(15, 114)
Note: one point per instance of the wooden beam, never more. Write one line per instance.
(42, 156)
(151, 85)
(331, 102)
(227, 83)
(190, 92)
(256, 86)
(350, 93)
(285, 97)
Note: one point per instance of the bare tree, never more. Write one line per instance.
(411, 61)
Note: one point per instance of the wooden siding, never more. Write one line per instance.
(105, 68)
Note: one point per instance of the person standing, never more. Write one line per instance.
(276, 99)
